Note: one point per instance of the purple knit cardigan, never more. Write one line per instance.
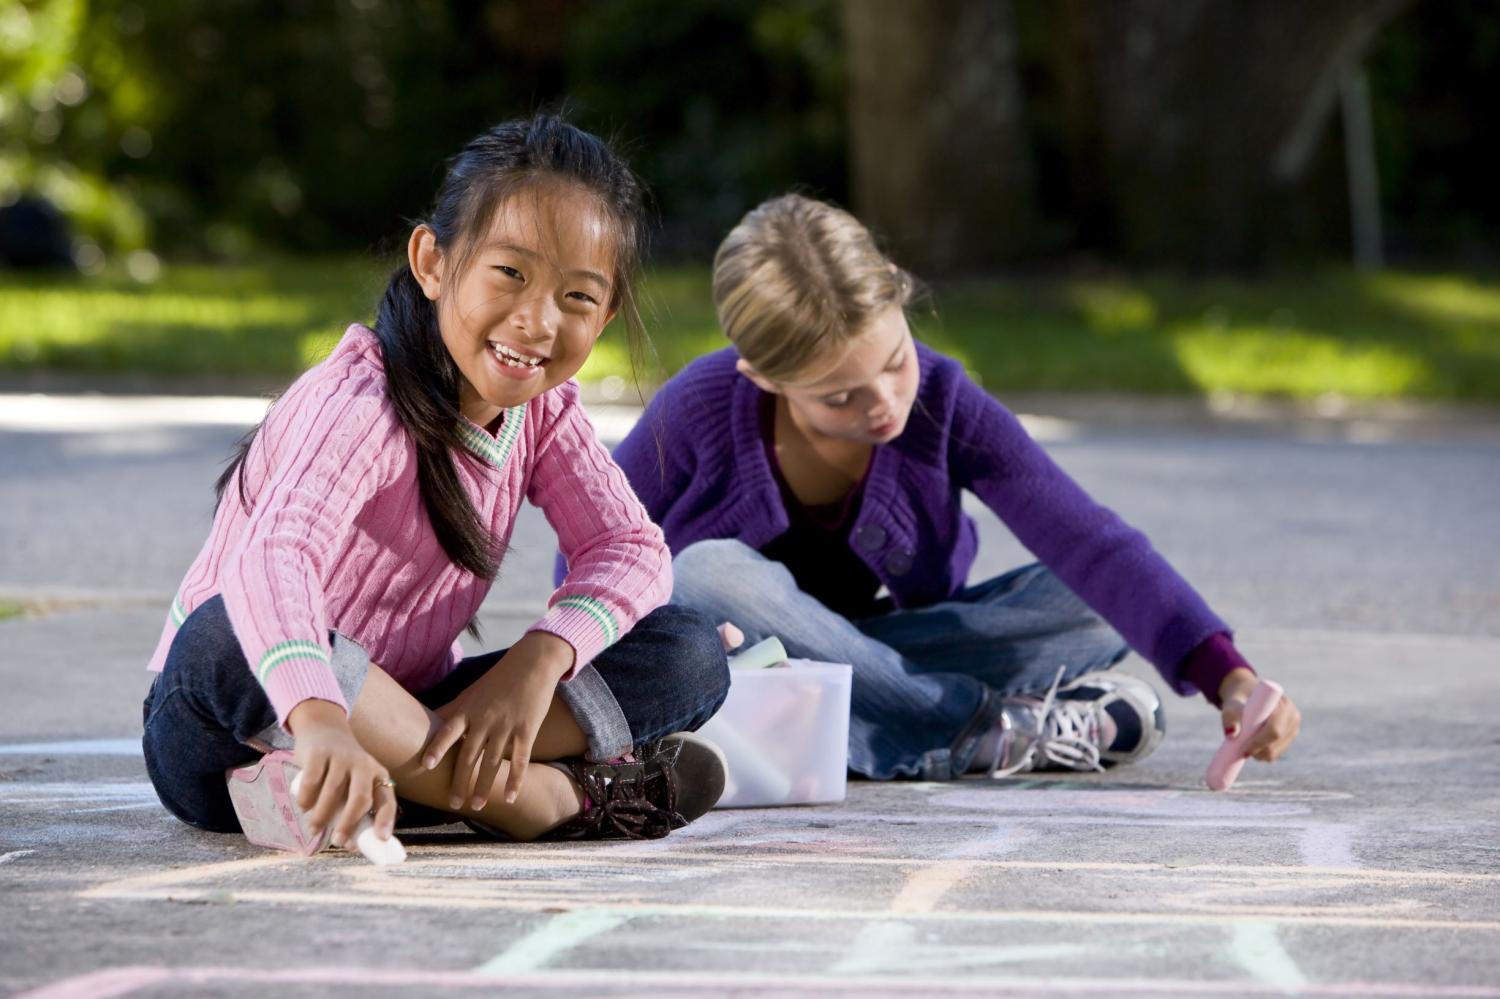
(697, 462)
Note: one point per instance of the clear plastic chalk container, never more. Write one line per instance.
(785, 733)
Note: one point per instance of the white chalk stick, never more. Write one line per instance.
(381, 852)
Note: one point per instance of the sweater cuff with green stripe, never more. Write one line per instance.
(296, 671)
(586, 623)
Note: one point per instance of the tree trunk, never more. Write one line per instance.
(942, 170)
(1202, 117)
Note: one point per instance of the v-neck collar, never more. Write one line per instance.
(493, 449)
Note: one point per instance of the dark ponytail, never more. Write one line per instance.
(421, 376)
(422, 380)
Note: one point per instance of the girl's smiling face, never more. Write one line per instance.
(864, 394)
(521, 315)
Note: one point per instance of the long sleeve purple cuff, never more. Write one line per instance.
(1208, 664)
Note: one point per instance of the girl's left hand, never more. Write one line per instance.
(1279, 731)
(497, 718)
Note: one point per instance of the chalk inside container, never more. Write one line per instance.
(769, 652)
(785, 734)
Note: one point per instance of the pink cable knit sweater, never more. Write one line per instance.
(336, 536)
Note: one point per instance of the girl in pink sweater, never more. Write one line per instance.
(361, 525)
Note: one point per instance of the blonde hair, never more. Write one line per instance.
(798, 279)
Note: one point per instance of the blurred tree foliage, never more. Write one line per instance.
(217, 127)
(71, 101)
(727, 101)
(319, 124)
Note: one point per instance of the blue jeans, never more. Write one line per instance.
(927, 681)
(667, 674)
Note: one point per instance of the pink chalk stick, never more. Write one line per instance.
(1226, 764)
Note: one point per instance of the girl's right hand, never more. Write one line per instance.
(1278, 731)
(340, 781)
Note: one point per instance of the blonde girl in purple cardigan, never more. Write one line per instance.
(809, 481)
(361, 525)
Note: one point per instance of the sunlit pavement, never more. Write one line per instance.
(1360, 569)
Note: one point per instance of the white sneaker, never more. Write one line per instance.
(1098, 720)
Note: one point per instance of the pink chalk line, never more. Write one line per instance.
(123, 981)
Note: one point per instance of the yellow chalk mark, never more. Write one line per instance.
(541, 858)
(1192, 904)
(728, 857)
(187, 875)
(697, 911)
(928, 884)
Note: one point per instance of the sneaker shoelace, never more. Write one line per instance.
(1067, 733)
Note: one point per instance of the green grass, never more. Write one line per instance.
(9, 610)
(1387, 336)
(273, 318)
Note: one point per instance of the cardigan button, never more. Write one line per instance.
(870, 537)
(899, 563)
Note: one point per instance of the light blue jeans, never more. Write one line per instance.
(927, 682)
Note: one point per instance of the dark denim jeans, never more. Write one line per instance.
(667, 674)
(927, 681)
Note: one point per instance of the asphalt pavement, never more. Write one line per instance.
(1359, 561)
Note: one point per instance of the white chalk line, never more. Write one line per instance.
(891, 945)
(874, 947)
(82, 798)
(122, 981)
(1277, 896)
(1328, 844)
(893, 948)
(1001, 839)
(559, 934)
(1256, 947)
(74, 793)
(74, 747)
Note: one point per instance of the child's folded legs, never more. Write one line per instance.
(661, 787)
